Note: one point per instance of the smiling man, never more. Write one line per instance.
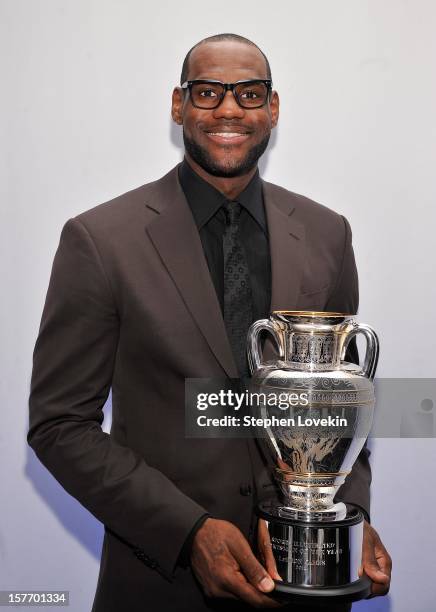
(143, 294)
(226, 127)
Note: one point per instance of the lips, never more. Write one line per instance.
(227, 135)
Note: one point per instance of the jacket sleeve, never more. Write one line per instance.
(73, 364)
(345, 298)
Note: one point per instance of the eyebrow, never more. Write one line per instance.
(209, 78)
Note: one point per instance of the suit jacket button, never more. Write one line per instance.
(245, 490)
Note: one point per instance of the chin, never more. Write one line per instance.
(227, 167)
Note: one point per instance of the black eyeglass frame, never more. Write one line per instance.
(187, 85)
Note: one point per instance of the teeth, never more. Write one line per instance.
(227, 134)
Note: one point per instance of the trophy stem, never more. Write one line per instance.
(311, 493)
(337, 512)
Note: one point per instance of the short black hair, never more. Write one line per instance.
(219, 38)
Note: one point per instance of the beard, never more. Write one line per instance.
(226, 168)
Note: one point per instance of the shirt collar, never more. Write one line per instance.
(204, 200)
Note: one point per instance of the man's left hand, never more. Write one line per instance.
(376, 561)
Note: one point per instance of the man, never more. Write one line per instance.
(141, 298)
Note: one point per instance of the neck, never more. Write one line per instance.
(229, 187)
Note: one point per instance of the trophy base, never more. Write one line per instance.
(317, 560)
(361, 589)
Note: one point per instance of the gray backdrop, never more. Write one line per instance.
(85, 101)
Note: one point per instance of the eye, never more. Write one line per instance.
(249, 94)
(207, 93)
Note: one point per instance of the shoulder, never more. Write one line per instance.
(128, 209)
(316, 218)
(305, 209)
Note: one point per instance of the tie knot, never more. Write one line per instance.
(233, 211)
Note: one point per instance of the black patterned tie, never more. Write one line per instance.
(238, 310)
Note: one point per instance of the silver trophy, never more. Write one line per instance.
(314, 414)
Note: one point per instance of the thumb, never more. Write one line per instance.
(372, 569)
(253, 571)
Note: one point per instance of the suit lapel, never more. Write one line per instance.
(287, 248)
(175, 236)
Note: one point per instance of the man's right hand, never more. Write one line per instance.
(225, 565)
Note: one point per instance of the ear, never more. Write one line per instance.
(177, 105)
(274, 108)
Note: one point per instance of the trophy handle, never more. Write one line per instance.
(253, 342)
(372, 348)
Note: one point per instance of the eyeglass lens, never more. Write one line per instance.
(209, 95)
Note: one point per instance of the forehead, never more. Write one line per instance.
(226, 61)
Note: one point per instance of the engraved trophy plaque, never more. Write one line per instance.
(316, 543)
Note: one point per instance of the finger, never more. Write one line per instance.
(265, 549)
(370, 564)
(385, 565)
(380, 575)
(376, 562)
(379, 589)
(254, 572)
(270, 562)
(380, 581)
(375, 573)
(383, 558)
(237, 585)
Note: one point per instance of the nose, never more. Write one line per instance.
(229, 108)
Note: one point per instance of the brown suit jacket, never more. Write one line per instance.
(131, 306)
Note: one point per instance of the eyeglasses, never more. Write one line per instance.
(208, 94)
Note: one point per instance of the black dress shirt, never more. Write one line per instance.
(206, 204)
